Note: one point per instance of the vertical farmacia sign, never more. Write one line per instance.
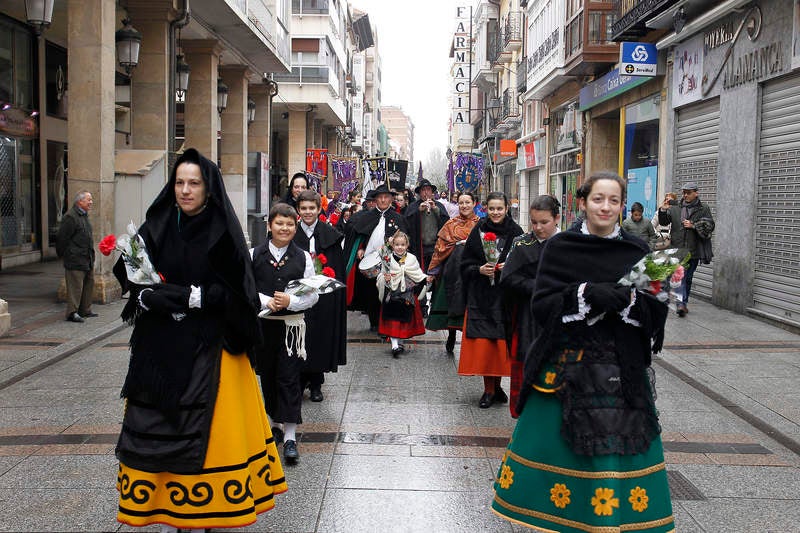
(461, 62)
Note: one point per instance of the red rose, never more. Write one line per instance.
(328, 271)
(489, 236)
(108, 244)
(322, 259)
(334, 219)
(323, 217)
(655, 286)
(162, 278)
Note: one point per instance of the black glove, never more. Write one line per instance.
(214, 297)
(166, 298)
(607, 296)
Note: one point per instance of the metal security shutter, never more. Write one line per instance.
(697, 150)
(776, 284)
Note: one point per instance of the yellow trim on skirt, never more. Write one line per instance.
(241, 473)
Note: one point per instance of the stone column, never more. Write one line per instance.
(233, 156)
(150, 98)
(297, 142)
(92, 63)
(258, 134)
(201, 118)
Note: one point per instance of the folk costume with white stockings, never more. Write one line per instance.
(586, 453)
(401, 316)
(195, 448)
(281, 357)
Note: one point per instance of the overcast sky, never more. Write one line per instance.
(414, 38)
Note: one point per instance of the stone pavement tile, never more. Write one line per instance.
(495, 453)
(698, 421)
(62, 472)
(409, 473)
(21, 450)
(446, 393)
(747, 459)
(682, 458)
(31, 430)
(58, 414)
(377, 427)
(756, 369)
(331, 392)
(327, 411)
(422, 414)
(349, 448)
(684, 522)
(9, 462)
(22, 396)
(719, 437)
(93, 429)
(76, 449)
(319, 427)
(448, 451)
(741, 515)
(310, 472)
(497, 415)
(775, 483)
(356, 511)
(296, 510)
(468, 431)
(59, 510)
(671, 436)
(324, 448)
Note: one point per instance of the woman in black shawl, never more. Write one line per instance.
(297, 184)
(586, 454)
(483, 343)
(518, 280)
(195, 448)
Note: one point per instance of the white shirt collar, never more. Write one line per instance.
(276, 252)
(309, 230)
(542, 240)
(613, 235)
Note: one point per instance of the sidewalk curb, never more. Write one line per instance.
(61, 353)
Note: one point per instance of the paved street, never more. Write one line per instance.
(397, 445)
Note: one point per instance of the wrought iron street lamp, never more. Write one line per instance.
(128, 41)
(182, 70)
(251, 111)
(222, 96)
(39, 14)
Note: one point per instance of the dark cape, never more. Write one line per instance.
(613, 367)
(484, 300)
(362, 294)
(326, 321)
(413, 216)
(174, 366)
(518, 280)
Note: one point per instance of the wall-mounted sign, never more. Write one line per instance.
(638, 59)
(607, 87)
(15, 122)
(461, 64)
(531, 155)
(508, 147)
(687, 71)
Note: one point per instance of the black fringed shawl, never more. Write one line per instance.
(208, 248)
(599, 417)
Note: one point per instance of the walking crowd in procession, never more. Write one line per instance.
(226, 339)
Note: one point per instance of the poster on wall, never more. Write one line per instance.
(687, 71)
(796, 35)
(642, 188)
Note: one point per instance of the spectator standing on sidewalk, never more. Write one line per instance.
(637, 225)
(586, 452)
(75, 244)
(691, 227)
(194, 419)
(326, 322)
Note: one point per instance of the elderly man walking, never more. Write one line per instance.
(692, 226)
(75, 244)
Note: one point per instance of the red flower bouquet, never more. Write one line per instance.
(489, 242)
(134, 254)
(328, 271)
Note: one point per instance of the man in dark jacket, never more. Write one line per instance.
(692, 226)
(75, 244)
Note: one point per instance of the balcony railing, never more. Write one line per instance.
(493, 47)
(310, 7)
(512, 31)
(522, 75)
(305, 74)
(510, 105)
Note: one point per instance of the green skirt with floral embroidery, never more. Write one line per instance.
(544, 485)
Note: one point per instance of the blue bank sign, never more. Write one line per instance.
(638, 59)
(607, 87)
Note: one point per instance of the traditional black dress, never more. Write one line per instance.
(586, 454)
(195, 448)
(326, 322)
(362, 294)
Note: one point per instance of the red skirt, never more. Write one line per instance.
(403, 330)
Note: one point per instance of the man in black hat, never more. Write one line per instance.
(692, 226)
(369, 200)
(425, 217)
(366, 232)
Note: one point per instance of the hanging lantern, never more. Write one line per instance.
(39, 14)
(128, 42)
(182, 70)
(251, 111)
(222, 96)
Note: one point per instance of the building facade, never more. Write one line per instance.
(400, 130)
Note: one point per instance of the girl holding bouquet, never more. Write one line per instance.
(400, 284)
(586, 453)
(194, 419)
(483, 344)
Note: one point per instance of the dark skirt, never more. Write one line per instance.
(401, 329)
(440, 316)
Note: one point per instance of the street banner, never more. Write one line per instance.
(374, 173)
(468, 171)
(317, 163)
(397, 170)
(345, 175)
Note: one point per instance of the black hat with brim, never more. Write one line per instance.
(425, 183)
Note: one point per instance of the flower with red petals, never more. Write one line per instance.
(328, 271)
(108, 244)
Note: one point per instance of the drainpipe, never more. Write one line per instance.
(181, 21)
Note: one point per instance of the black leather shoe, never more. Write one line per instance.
(450, 345)
(88, 315)
(500, 396)
(75, 317)
(396, 352)
(316, 395)
(290, 452)
(277, 434)
(486, 400)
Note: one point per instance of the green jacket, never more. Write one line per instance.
(74, 241)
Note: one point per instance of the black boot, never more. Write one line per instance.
(450, 345)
